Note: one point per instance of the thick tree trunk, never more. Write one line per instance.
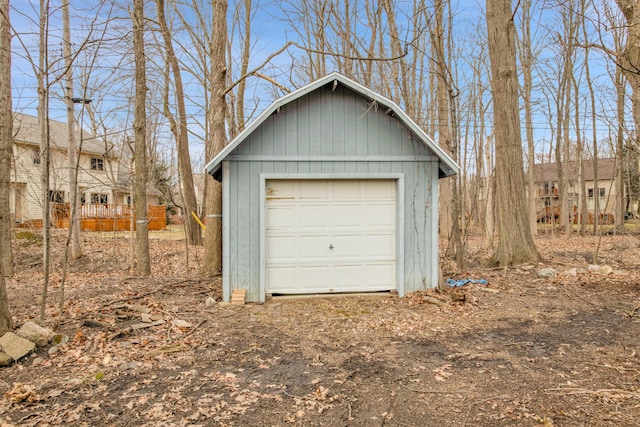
(6, 139)
(515, 242)
(212, 263)
(629, 62)
(143, 267)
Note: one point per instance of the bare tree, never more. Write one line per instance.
(42, 76)
(526, 59)
(515, 242)
(180, 131)
(629, 58)
(143, 266)
(212, 263)
(74, 218)
(6, 140)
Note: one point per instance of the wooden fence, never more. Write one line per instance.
(99, 217)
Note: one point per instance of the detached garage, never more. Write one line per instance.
(331, 189)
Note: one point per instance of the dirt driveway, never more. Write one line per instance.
(519, 351)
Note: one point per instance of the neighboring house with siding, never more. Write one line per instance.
(97, 173)
(548, 201)
(333, 188)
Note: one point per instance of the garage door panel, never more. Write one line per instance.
(347, 278)
(348, 215)
(313, 247)
(280, 217)
(380, 189)
(308, 214)
(312, 190)
(313, 278)
(380, 246)
(349, 246)
(330, 236)
(380, 275)
(347, 190)
(277, 249)
(380, 215)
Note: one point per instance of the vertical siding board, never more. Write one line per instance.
(387, 130)
(350, 123)
(409, 233)
(315, 167)
(326, 120)
(338, 121)
(389, 133)
(244, 149)
(315, 125)
(265, 143)
(303, 167)
(253, 280)
(279, 124)
(233, 225)
(290, 122)
(373, 130)
(304, 130)
(362, 127)
(243, 239)
(432, 224)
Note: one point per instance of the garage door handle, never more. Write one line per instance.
(330, 246)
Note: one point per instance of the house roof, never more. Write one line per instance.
(548, 172)
(447, 165)
(126, 178)
(27, 131)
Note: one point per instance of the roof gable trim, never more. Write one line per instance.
(447, 165)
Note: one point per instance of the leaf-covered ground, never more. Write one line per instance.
(521, 350)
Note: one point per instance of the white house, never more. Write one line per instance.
(97, 173)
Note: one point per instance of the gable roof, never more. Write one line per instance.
(548, 172)
(447, 165)
(27, 131)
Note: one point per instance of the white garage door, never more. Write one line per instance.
(330, 236)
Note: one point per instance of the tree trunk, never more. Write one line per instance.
(143, 267)
(515, 242)
(45, 157)
(74, 218)
(629, 63)
(619, 205)
(189, 201)
(6, 140)
(526, 59)
(212, 263)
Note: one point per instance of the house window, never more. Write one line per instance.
(36, 156)
(601, 192)
(128, 200)
(99, 198)
(83, 199)
(97, 164)
(56, 196)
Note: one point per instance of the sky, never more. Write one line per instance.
(111, 69)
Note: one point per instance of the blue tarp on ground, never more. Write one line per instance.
(461, 282)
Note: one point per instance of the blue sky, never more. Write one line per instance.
(110, 86)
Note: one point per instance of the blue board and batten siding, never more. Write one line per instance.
(329, 133)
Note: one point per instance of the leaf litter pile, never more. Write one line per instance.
(163, 351)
